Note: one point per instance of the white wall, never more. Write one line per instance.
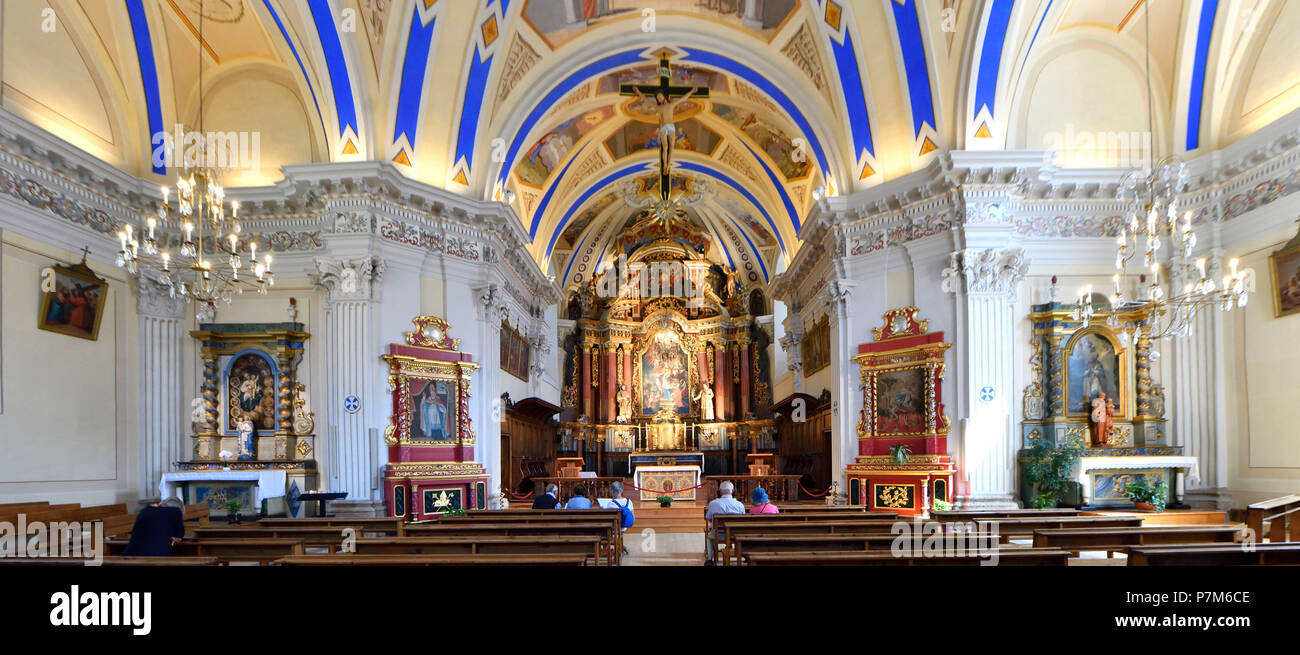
(68, 427)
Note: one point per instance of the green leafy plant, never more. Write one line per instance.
(940, 505)
(664, 500)
(1048, 468)
(451, 513)
(901, 453)
(233, 506)
(1155, 495)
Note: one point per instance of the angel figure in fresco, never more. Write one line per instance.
(667, 133)
(705, 398)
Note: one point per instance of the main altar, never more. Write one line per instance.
(665, 357)
(903, 463)
(1081, 369)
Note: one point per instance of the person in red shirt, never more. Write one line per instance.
(761, 503)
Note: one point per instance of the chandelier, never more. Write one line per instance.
(208, 264)
(1153, 224)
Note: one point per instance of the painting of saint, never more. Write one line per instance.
(433, 411)
(76, 305)
(900, 401)
(1093, 368)
(1285, 267)
(664, 375)
(250, 392)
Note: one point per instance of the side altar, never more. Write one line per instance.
(903, 463)
(254, 432)
(431, 466)
(1091, 383)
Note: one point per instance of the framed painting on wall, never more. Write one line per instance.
(1284, 265)
(75, 305)
(900, 401)
(816, 347)
(1093, 365)
(433, 410)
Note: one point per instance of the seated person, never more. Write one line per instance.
(579, 500)
(761, 503)
(157, 528)
(724, 504)
(548, 500)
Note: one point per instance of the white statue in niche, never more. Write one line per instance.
(705, 398)
(198, 415)
(245, 429)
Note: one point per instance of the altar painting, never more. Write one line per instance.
(250, 392)
(1092, 367)
(900, 398)
(433, 410)
(665, 378)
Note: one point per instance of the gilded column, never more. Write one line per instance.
(163, 409)
(746, 388)
(721, 379)
(585, 386)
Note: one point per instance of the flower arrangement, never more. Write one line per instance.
(901, 454)
(664, 500)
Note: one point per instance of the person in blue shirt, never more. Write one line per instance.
(579, 499)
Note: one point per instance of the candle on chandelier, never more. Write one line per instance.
(189, 231)
(268, 263)
(166, 194)
(252, 249)
(1200, 266)
(1232, 264)
(151, 223)
(167, 258)
(234, 209)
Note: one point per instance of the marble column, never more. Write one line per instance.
(351, 288)
(746, 387)
(164, 412)
(584, 384)
(609, 384)
(792, 344)
(986, 282)
(835, 299)
(490, 310)
(1197, 408)
(721, 379)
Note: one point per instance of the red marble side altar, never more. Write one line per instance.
(902, 406)
(431, 467)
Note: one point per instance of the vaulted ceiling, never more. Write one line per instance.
(518, 99)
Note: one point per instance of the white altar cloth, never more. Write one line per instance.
(270, 484)
(1188, 467)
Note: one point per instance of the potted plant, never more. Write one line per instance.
(232, 510)
(664, 500)
(1048, 469)
(901, 454)
(940, 505)
(1151, 498)
(453, 513)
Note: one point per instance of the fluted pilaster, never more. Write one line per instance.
(163, 410)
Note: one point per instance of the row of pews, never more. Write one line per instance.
(808, 536)
(113, 520)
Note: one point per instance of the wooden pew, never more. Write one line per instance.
(263, 551)
(1281, 513)
(727, 526)
(959, 515)
(479, 545)
(745, 544)
(1022, 527)
(197, 513)
(11, 515)
(1016, 557)
(615, 517)
(113, 561)
(721, 522)
(1270, 554)
(610, 548)
(535, 559)
(363, 525)
(319, 537)
(118, 526)
(14, 508)
(1122, 539)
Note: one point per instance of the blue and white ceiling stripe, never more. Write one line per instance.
(852, 85)
(1196, 94)
(415, 63)
(916, 72)
(476, 79)
(987, 74)
(298, 58)
(340, 80)
(148, 76)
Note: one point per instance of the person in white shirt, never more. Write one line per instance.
(616, 501)
(725, 504)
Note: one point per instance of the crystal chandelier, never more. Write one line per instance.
(211, 256)
(1153, 223)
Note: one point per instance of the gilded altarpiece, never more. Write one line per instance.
(901, 373)
(431, 465)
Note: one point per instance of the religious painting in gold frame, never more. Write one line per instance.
(1094, 361)
(515, 352)
(75, 306)
(901, 373)
(431, 401)
(815, 350)
(660, 371)
(1284, 267)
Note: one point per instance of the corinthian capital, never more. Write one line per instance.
(989, 271)
(835, 297)
(491, 305)
(349, 279)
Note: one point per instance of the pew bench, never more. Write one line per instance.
(262, 551)
(1114, 540)
(1025, 527)
(322, 537)
(1282, 515)
(615, 518)
(1269, 554)
(112, 561)
(722, 522)
(536, 559)
(731, 530)
(1015, 557)
(746, 544)
(611, 549)
(363, 525)
(569, 545)
(961, 515)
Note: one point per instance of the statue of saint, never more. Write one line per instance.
(624, 400)
(667, 130)
(705, 398)
(1103, 420)
(245, 428)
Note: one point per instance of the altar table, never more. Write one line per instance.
(270, 484)
(1103, 478)
(679, 482)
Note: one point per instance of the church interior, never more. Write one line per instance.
(562, 282)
